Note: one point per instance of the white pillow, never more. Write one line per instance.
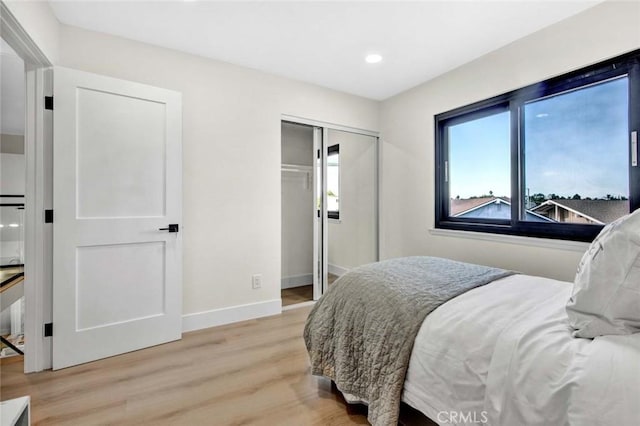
(606, 291)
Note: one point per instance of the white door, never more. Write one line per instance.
(320, 223)
(324, 213)
(317, 214)
(117, 278)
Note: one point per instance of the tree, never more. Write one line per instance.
(538, 198)
(576, 197)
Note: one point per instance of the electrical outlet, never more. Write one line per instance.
(256, 281)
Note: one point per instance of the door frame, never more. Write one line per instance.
(38, 191)
(325, 127)
(318, 226)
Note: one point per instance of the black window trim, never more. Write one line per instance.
(333, 149)
(513, 101)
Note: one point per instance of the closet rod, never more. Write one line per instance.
(296, 168)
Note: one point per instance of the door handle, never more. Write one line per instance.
(174, 227)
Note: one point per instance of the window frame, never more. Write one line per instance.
(514, 102)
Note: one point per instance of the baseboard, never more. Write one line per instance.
(337, 270)
(298, 305)
(296, 281)
(214, 317)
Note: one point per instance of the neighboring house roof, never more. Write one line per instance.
(600, 211)
(489, 207)
(460, 206)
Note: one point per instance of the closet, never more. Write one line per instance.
(329, 206)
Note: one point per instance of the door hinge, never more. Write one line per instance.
(318, 154)
(48, 329)
(48, 216)
(48, 102)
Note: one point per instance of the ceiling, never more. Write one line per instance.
(12, 88)
(325, 42)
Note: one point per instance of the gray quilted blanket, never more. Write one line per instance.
(360, 333)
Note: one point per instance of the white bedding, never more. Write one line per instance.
(503, 355)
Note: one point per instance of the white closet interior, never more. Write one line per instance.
(297, 210)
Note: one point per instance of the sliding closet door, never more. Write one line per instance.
(319, 214)
(351, 201)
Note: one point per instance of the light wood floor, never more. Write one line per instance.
(291, 296)
(254, 372)
(331, 278)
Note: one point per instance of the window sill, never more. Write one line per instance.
(576, 246)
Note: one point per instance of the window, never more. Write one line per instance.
(333, 181)
(555, 159)
(478, 165)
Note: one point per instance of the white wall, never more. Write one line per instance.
(352, 239)
(231, 144)
(407, 132)
(12, 182)
(12, 87)
(297, 144)
(12, 174)
(297, 207)
(5, 322)
(38, 20)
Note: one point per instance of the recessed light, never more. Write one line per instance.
(373, 58)
(1, 225)
(13, 225)
(542, 115)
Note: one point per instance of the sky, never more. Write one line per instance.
(479, 157)
(575, 143)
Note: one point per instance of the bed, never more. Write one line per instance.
(513, 361)
(500, 352)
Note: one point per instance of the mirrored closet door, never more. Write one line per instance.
(351, 197)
